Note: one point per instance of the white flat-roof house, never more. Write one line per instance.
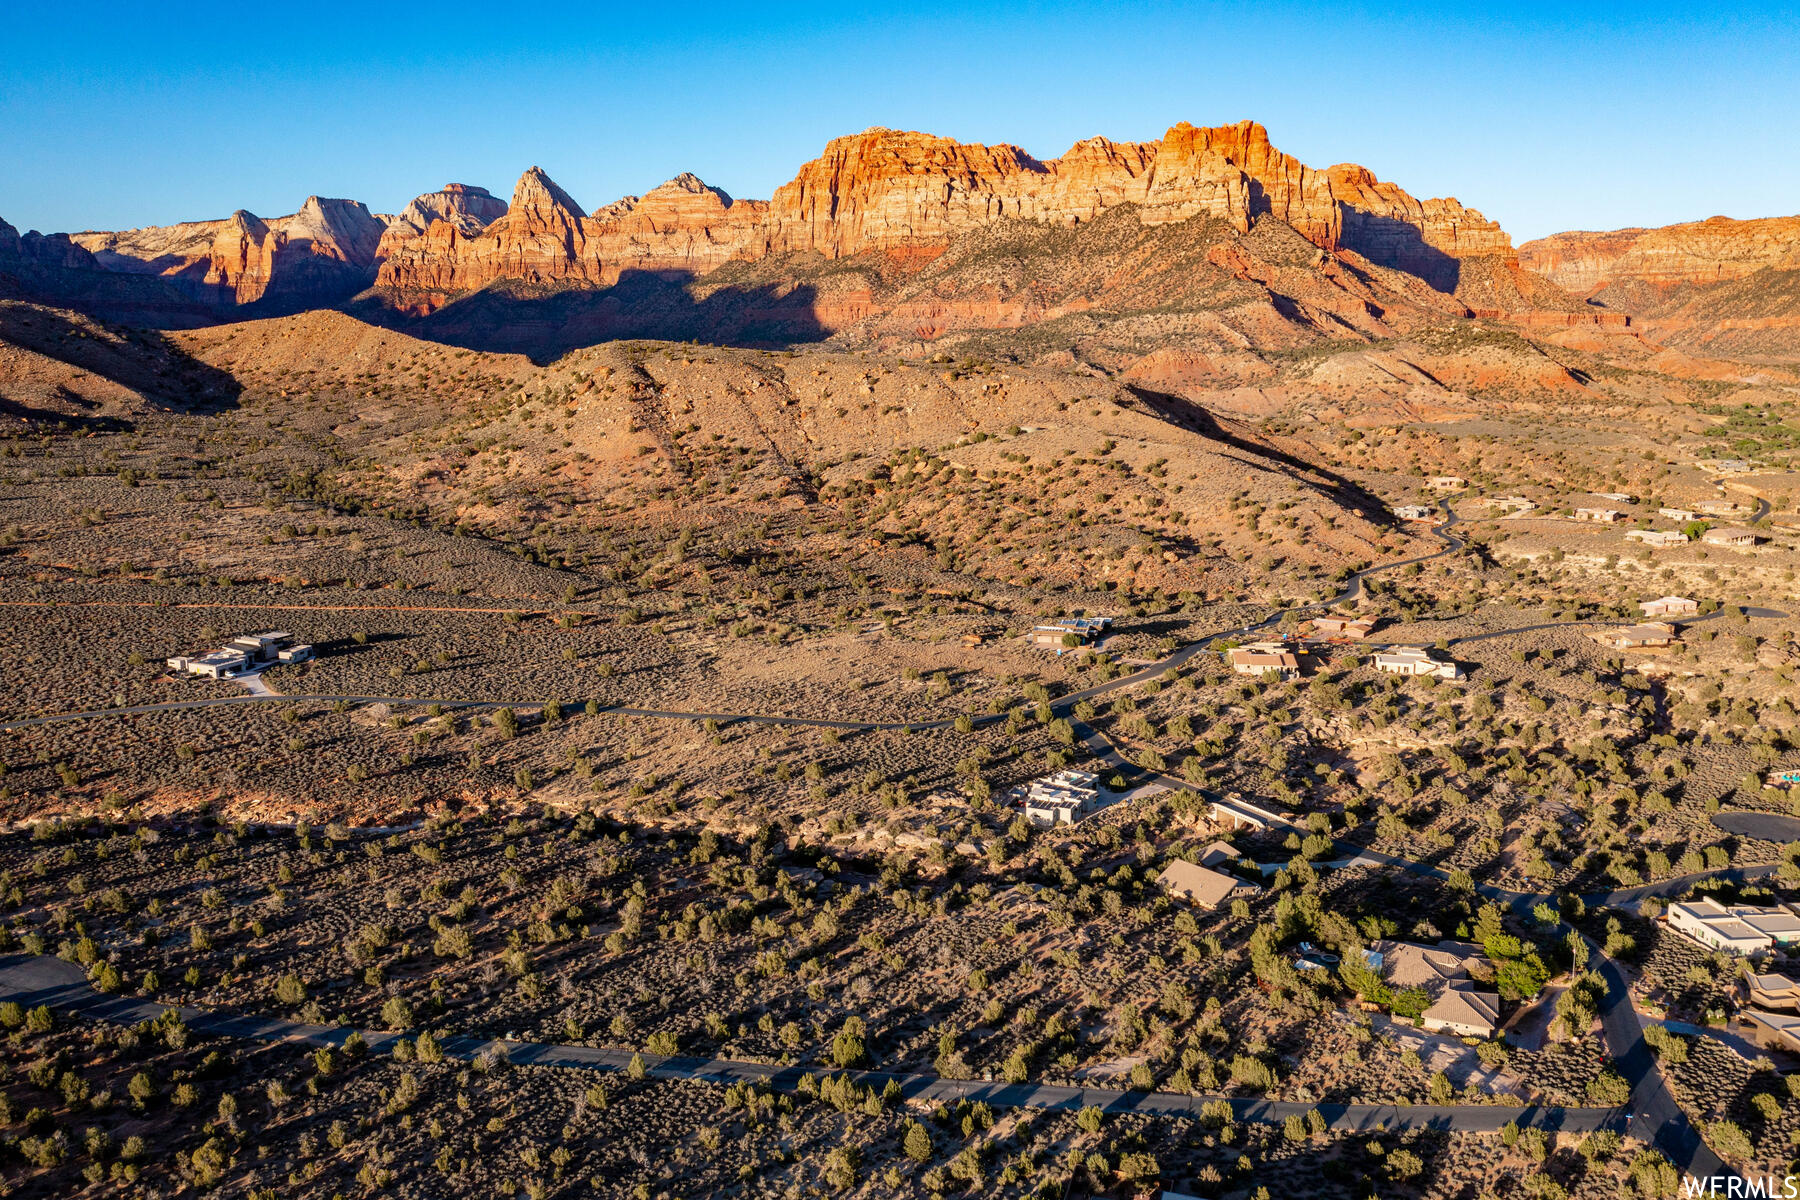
(248, 652)
(1062, 798)
(1733, 930)
(1678, 514)
(1412, 660)
(1415, 512)
(214, 664)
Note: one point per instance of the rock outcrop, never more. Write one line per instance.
(325, 250)
(466, 208)
(884, 190)
(1694, 253)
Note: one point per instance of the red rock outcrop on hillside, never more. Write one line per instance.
(1696, 253)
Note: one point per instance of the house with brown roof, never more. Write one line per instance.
(1464, 1012)
(1600, 516)
(1636, 637)
(1201, 886)
(1220, 851)
(1264, 664)
(1729, 537)
(1354, 628)
(1446, 972)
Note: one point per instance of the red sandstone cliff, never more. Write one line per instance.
(884, 189)
(328, 244)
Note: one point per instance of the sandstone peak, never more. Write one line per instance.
(537, 195)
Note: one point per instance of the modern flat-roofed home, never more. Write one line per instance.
(1600, 516)
(1356, 629)
(1671, 606)
(214, 664)
(1718, 508)
(1513, 504)
(1657, 537)
(299, 652)
(1729, 537)
(1445, 972)
(1264, 664)
(1201, 886)
(1618, 497)
(1712, 924)
(1082, 630)
(1636, 637)
(1415, 512)
(1678, 514)
(1448, 483)
(1412, 660)
(1062, 798)
(1772, 991)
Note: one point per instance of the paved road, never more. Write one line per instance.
(64, 987)
(1655, 1116)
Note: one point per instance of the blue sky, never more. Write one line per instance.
(1544, 118)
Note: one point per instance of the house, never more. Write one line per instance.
(1413, 660)
(214, 664)
(1464, 1012)
(1678, 514)
(1634, 637)
(1216, 852)
(1657, 537)
(1071, 631)
(1618, 497)
(1778, 924)
(1600, 516)
(1772, 991)
(1062, 798)
(1355, 629)
(1449, 483)
(1201, 886)
(1712, 924)
(1718, 508)
(1728, 537)
(1513, 504)
(1264, 664)
(249, 652)
(1415, 512)
(1671, 606)
(1772, 1030)
(1446, 972)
